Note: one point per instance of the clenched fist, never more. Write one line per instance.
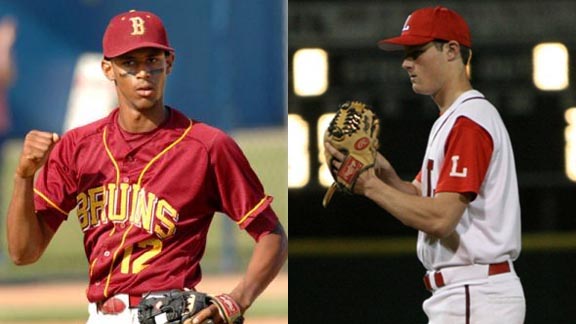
(37, 146)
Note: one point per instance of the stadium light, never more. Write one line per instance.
(550, 66)
(310, 72)
(298, 152)
(570, 148)
(324, 177)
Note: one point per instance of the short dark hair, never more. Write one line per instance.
(464, 51)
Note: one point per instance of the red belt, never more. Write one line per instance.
(114, 305)
(493, 269)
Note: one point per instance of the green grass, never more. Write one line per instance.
(43, 314)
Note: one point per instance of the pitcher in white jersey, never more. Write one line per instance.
(464, 201)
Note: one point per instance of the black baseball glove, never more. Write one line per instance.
(177, 306)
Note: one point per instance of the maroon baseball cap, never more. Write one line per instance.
(133, 30)
(428, 24)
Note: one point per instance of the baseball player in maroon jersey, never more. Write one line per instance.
(146, 182)
(464, 201)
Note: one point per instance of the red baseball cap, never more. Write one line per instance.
(428, 24)
(133, 30)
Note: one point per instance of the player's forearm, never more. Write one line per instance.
(27, 236)
(435, 216)
(269, 255)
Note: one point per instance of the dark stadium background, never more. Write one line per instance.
(353, 261)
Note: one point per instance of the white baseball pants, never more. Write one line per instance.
(493, 300)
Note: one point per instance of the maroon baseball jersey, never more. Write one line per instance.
(145, 201)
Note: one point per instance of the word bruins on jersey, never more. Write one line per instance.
(128, 203)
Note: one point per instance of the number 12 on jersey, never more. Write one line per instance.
(134, 265)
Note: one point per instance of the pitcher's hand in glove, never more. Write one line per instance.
(351, 145)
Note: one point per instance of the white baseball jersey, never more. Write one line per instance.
(469, 151)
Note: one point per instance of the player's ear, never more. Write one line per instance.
(453, 50)
(170, 57)
(107, 69)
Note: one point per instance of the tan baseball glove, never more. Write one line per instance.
(353, 131)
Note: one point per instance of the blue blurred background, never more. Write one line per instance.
(230, 58)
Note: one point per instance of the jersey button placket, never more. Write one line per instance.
(128, 160)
